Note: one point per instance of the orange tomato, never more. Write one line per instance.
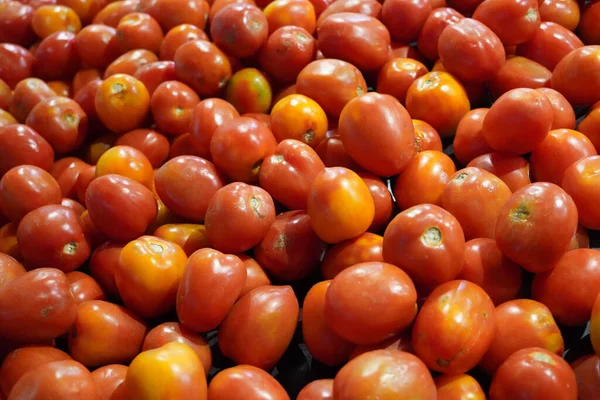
(126, 161)
(363, 248)
(458, 387)
(122, 103)
(299, 117)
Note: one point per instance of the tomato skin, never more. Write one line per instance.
(353, 293)
(154, 73)
(66, 171)
(172, 104)
(154, 145)
(396, 76)
(103, 264)
(249, 91)
(323, 343)
(563, 12)
(363, 248)
(84, 287)
(567, 81)
(255, 275)
(365, 7)
(438, 99)
(56, 57)
(19, 361)
(478, 210)
(150, 270)
(37, 306)
(268, 316)
(125, 161)
(378, 116)
(176, 37)
(26, 95)
(595, 325)
(550, 44)
(354, 381)
(120, 207)
(520, 324)
(186, 184)
(469, 142)
(382, 199)
(279, 13)
(542, 211)
(239, 29)
(512, 169)
(579, 181)
(17, 64)
(423, 180)
(588, 28)
(172, 371)
(564, 115)
(190, 237)
(588, 379)
(430, 33)
(458, 387)
(64, 246)
(405, 18)
(58, 379)
(535, 373)
(321, 389)
(445, 344)
(334, 200)
(108, 379)
(130, 62)
(210, 285)
(16, 23)
(49, 19)
(10, 269)
(176, 332)
(331, 83)
(96, 45)
(104, 333)
(234, 229)
(518, 121)
(514, 22)
(118, 93)
(245, 382)
(25, 188)
(170, 13)
(518, 72)
(139, 31)
(426, 137)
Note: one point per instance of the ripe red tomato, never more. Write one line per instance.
(287, 51)
(370, 8)
(428, 243)
(454, 328)
(26, 95)
(208, 115)
(267, 318)
(405, 18)
(16, 23)
(521, 324)
(587, 375)
(535, 373)
(458, 387)
(385, 375)
(178, 36)
(564, 115)
(536, 225)
(172, 104)
(103, 263)
(16, 64)
(363, 248)
(514, 21)
(512, 169)
(255, 275)
(519, 72)
(97, 46)
(588, 28)
(245, 382)
(579, 181)
(239, 29)
(565, 78)
(84, 287)
(563, 12)
(469, 142)
(435, 23)
(321, 389)
(108, 379)
(549, 44)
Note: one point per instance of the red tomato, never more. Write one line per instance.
(563, 12)
(208, 115)
(514, 21)
(172, 104)
(512, 169)
(56, 57)
(154, 145)
(564, 115)
(587, 376)
(536, 225)
(469, 142)
(97, 46)
(108, 379)
(26, 95)
(10, 269)
(239, 29)
(458, 387)
(334, 154)
(519, 72)
(280, 13)
(84, 287)
(16, 64)
(382, 199)
(245, 382)
(567, 80)
(454, 328)
(426, 137)
(16, 23)
(405, 18)
(549, 44)
(579, 181)
(170, 13)
(178, 36)
(103, 264)
(363, 248)
(255, 275)
(588, 27)
(535, 373)
(321, 389)
(521, 324)
(396, 76)
(266, 317)
(385, 375)
(287, 51)
(435, 23)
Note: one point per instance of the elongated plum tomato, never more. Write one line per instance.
(267, 316)
(378, 133)
(518, 121)
(514, 22)
(569, 79)
(172, 371)
(433, 27)
(536, 225)
(454, 328)
(385, 375)
(244, 382)
(149, 273)
(549, 45)
(340, 205)
(211, 283)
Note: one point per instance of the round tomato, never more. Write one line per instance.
(514, 21)
(458, 387)
(244, 382)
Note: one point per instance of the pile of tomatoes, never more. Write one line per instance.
(310, 199)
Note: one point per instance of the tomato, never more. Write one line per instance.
(323, 343)
(97, 46)
(218, 5)
(535, 373)
(564, 115)
(331, 83)
(333, 153)
(127, 162)
(19, 145)
(154, 145)
(588, 28)
(6, 119)
(563, 12)
(178, 36)
(105, 333)
(426, 137)
(279, 13)
(84, 287)
(83, 77)
(385, 375)
(130, 62)
(49, 19)
(18, 362)
(567, 81)
(299, 117)
(203, 66)
(469, 142)
(512, 169)
(518, 121)
(267, 316)
(396, 76)
(399, 342)
(595, 326)
(16, 23)
(207, 116)
(579, 182)
(535, 226)
(120, 207)
(56, 56)
(172, 104)
(16, 64)
(239, 29)
(458, 387)
(139, 31)
(114, 11)
(514, 21)
(122, 103)
(176, 332)
(108, 379)
(5, 95)
(366, 7)
(148, 275)
(182, 146)
(549, 44)
(321, 389)
(26, 95)
(155, 73)
(363, 248)
(519, 72)
(587, 376)
(287, 51)
(521, 324)
(405, 18)
(85, 9)
(234, 228)
(454, 328)
(382, 199)
(37, 306)
(173, 370)
(430, 33)
(590, 123)
(103, 264)
(360, 39)
(9, 246)
(255, 275)
(61, 88)
(245, 382)
(423, 180)
(438, 99)
(58, 379)
(249, 91)
(378, 133)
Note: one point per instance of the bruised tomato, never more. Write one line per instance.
(239, 29)
(287, 51)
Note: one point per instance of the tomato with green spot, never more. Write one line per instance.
(249, 91)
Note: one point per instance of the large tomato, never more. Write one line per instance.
(569, 76)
